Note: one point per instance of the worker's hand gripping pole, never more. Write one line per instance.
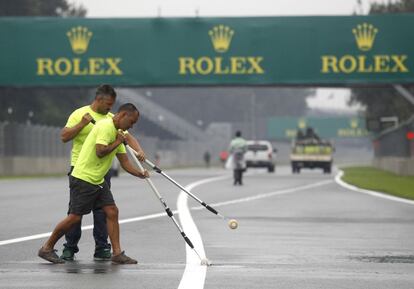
(158, 170)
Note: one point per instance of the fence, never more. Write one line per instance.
(37, 149)
(31, 141)
(31, 150)
(394, 149)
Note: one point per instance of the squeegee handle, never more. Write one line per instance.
(211, 209)
(158, 170)
(153, 166)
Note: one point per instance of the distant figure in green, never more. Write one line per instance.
(237, 148)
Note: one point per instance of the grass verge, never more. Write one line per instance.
(381, 181)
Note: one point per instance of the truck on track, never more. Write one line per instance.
(311, 153)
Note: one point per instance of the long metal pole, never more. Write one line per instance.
(158, 170)
(161, 199)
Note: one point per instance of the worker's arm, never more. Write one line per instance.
(133, 143)
(103, 150)
(126, 165)
(69, 133)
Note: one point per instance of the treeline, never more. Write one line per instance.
(385, 101)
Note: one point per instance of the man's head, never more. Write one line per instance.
(104, 99)
(238, 133)
(126, 116)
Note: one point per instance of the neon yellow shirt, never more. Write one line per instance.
(79, 139)
(89, 167)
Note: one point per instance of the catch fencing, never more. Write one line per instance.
(27, 149)
(31, 141)
(394, 149)
(395, 142)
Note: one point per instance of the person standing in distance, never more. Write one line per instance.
(237, 148)
(77, 128)
(88, 189)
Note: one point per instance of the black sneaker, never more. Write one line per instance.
(102, 254)
(50, 256)
(123, 259)
(68, 254)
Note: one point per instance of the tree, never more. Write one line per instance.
(40, 8)
(401, 6)
(50, 106)
(40, 105)
(385, 101)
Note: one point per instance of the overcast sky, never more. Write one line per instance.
(188, 8)
(326, 98)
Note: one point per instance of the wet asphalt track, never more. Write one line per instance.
(321, 237)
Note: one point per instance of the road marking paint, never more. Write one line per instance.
(158, 215)
(340, 182)
(194, 274)
(270, 194)
(84, 228)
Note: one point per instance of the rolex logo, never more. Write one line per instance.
(79, 39)
(365, 36)
(353, 123)
(221, 37)
(302, 123)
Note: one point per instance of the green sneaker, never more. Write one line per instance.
(68, 254)
(102, 254)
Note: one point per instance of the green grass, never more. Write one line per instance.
(378, 180)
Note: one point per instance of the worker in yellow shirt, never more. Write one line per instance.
(77, 128)
(88, 189)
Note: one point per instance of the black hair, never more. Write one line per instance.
(238, 133)
(128, 107)
(105, 90)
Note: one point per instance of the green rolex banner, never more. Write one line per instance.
(325, 127)
(207, 51)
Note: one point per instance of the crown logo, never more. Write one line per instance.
(365, 36)
(79, 39)
(221, 37)
(302, 123)
(353, 123)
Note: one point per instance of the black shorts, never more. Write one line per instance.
(84, 196)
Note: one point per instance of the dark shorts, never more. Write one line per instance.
(84, 196)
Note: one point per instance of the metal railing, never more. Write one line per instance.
(393, 142)
(31, 141)
(43, 143)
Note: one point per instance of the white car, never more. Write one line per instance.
(260, 154)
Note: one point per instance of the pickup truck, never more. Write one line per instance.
(311, 153)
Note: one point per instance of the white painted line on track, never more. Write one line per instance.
(194, 274)
(158, 215)
(340, 182)
(271, 194)
(84, 228)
